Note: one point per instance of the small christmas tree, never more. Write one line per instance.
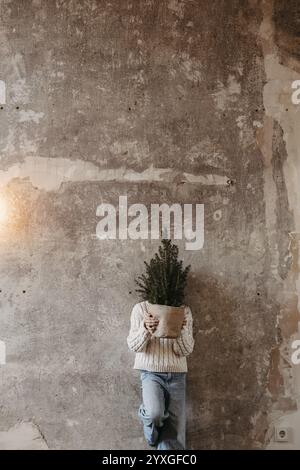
(165, 279)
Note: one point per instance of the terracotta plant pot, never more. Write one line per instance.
(170, 320)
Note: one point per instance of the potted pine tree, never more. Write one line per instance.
(162, 287)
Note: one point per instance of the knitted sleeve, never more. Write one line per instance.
(184, 344)
(138, 334)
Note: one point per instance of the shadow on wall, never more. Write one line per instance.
(286, 21)
(227, 370)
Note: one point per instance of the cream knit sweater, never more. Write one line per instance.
(159, 354)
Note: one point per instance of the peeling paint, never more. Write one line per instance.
(228, 93)
(277, 102)
(22, 436)
(2, 353)
(163, 101)
(2, 92)
(30, 116)
(50, 173)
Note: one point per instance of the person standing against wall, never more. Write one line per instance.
(163, 369)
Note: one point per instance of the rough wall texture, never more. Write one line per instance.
(165, 101)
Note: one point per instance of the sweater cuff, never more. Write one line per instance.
(143, 331)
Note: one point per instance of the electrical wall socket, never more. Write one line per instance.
(282, 434)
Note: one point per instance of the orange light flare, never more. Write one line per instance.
(4, 211)
(15, 214)
(7, 214)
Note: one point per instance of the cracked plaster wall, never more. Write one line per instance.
(164, 101)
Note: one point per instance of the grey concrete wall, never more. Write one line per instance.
(165, 101)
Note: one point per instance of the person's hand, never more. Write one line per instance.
(150, 322)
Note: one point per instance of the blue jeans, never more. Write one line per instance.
(163, 411)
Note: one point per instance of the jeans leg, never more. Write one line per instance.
(172, 435)
(152, 411)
